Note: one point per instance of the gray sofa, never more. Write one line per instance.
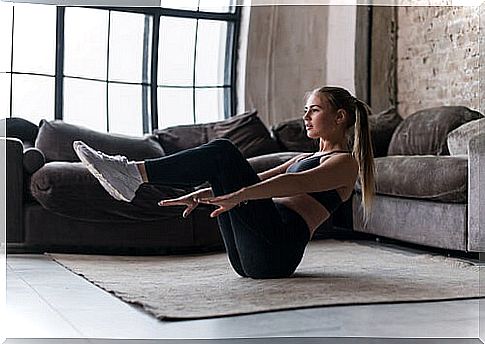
(429, 187)
(54, 204)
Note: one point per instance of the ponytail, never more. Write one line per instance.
(363, 153)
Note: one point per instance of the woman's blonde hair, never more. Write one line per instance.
(358, 112)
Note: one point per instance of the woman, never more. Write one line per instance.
(266, 219)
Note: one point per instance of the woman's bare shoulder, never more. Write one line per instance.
(342, 160)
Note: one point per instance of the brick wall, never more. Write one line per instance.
(437, 57)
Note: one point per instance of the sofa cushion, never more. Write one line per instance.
(246, 131)
(180, 137)
(425, 131)
(68, 189)
(458, 139)
(55, 141)
(426, 177)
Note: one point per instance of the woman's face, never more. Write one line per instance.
(319, 117)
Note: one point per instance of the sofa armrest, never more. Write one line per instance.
(14, 189)
(476, 193)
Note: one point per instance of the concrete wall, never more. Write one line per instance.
(293, 49)
(437, 57)
(383, 85)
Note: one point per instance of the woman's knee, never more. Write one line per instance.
(224, 144)
(226, 151)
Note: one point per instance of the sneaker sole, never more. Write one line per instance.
(107, 186)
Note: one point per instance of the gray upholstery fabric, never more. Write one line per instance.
(425, 131)
(426, 177)
(33, 160)
(46, 230)
(458, 139)
(246, 131)
(476, 194)
(14, 188)
(55, 141)
(427, 223)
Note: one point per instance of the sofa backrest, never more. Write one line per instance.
(245, 130)
(425, 132)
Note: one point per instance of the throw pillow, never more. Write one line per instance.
(180, 137)
(245, 130)
(458, 139)
(55, 140)
(425, 131)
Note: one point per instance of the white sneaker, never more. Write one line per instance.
(119, 177)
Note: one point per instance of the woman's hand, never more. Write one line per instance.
(225, 202)
(189, 200)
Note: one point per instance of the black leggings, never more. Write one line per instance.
(262, 239)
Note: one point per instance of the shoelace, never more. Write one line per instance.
(116, 158)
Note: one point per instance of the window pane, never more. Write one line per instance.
(4, 95)
(126, 54)
(211, 53)
(86, 42)
(33, 97)
(209, 104)
(5, 35)
(85, 103)
(180, 4)
(125, 109)
(34, 47)
(176, 52)
(175, 106)
(217, 6)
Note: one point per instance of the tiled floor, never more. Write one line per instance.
(44, 300)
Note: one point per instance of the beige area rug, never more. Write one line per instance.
(331, 273)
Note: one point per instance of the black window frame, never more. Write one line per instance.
(150, 118)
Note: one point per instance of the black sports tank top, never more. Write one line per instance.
(330, 199)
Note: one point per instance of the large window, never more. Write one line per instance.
(123, 70)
